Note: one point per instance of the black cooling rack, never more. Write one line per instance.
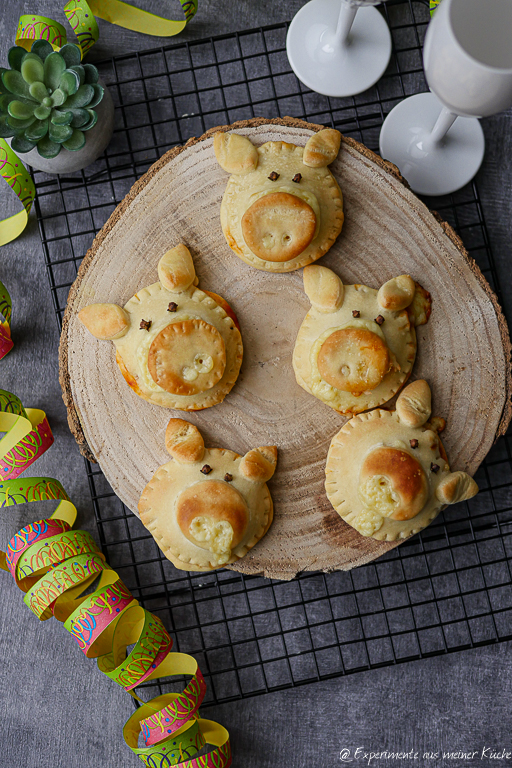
(448, 588)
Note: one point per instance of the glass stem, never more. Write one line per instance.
(443, 124)
(345, 21)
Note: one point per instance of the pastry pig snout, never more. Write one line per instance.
(279, 226)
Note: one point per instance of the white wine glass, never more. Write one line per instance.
(435, 138)
(339, 47)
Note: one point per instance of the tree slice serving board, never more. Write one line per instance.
(464, 350)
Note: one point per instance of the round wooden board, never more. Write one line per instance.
(464, 350)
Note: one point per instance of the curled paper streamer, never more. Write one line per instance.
(129, 17)
(80, 15)
(28, 437)
(5, 325)
(20, 181)
(54, 565)
(32, 27)
(433, 6)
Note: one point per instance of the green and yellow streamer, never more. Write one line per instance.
(20, 181)
(54, 565)
(80, 15)
(6, 343)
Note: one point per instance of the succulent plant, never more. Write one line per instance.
(47, 99)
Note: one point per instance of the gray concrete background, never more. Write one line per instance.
(57, 710)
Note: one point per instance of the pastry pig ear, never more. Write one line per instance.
(235, 153)
(323, 288)
(259, 464)
(184, 441)
(322, 148)
(397, 293)
(457, 486)
(105, 321)
(414, 404)
(176, 269)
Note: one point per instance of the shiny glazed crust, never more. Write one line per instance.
(397, 331)
(355, 442)
(151, 304)
(244, 189)
(159, 504)
(387, 473)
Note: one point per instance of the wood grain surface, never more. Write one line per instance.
(464, 350)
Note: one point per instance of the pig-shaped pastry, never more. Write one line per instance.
(356, 346)
(176, 346)
(207, 507)
(282, 208)
(387, 474)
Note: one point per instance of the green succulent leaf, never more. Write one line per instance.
(80, 71)
(54, 66)
(20, 110)
(4, 101)
(30, 55)
(71, 54)
(59, 133)
(48, 148)
(15, 56)
(80, 117)
(19, 125)
(20, 144)
(32, 70)
(3, 89)
(69, 82)
(93, 119)
(98, 95)
(11, 97)
(41, 48)
(61, 118)
(38, 91)
(14, 83)
(37, 130)
(5, 130)
(76, 141)
(91, 73)
(81, 98)
(58, 97)
(42, 112)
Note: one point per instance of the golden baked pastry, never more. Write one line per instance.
(282, 208)
(356, 346)
(387, 473)
(176, 346)
(207, 507)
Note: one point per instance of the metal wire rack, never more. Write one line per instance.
(448, 588)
